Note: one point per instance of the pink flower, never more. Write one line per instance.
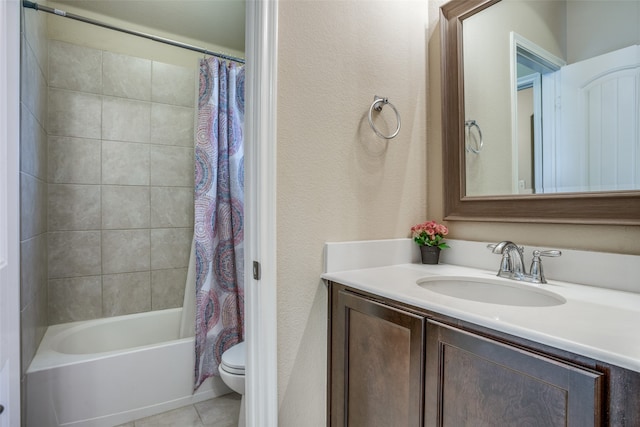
(429, 233)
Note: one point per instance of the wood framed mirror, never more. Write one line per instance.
(595, 207)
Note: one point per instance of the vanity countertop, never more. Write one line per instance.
(595, 322)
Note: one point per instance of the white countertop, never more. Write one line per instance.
(595, 322)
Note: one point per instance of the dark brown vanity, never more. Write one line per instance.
(392, 364)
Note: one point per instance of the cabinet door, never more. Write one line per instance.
(376, 364)
(475, 381)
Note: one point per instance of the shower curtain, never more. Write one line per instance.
(219, 217)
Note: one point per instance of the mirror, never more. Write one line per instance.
(569, 80)
(505, 142)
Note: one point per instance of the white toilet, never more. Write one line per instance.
(232, 373)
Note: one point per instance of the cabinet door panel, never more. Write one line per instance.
(475, 381)
(377, 360)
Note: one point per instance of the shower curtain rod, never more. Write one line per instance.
(36, 6)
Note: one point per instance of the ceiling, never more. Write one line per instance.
(219, 22)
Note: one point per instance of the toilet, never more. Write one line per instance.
(232, 373)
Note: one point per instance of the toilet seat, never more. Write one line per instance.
(233, 360)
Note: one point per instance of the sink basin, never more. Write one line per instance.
(491, 291)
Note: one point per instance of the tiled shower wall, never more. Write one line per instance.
(120, 173)
(33, 186)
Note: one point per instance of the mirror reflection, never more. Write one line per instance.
(552, 98)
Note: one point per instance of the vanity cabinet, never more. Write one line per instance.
(476, 381)
(396, 365)
(376, 361)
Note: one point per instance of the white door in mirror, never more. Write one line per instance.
(598, 157)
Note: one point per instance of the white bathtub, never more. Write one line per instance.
(105, 372)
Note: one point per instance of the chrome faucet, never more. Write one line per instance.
(512, 263)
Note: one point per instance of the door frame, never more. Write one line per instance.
(544, 102)
(9, 212)
(261, 49)
(261, 396)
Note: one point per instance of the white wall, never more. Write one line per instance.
(337, 181)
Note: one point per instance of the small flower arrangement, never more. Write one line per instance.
(430, 233)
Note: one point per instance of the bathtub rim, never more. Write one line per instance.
(47, 357)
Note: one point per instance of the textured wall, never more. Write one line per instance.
(337, 181)
(120, 196)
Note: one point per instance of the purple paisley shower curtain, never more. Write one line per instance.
(219, 217)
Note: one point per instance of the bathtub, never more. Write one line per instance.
(106, 372)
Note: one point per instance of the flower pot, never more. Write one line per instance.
(430, 254)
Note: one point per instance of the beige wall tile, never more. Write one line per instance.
(125, 251)
(167, 288)
(74, 160)
(28, 343)
(170, 247)
(171, 84)
(74, 253)
(125, 163)
(126, 293)
(33, 86)
(172, 166)
(125, 207)
(172, 125)
(75, 67)
(33, 161)
(126, 76)
(34, 320)
(73, 299)
(171, 207)
(33, 269)
(125, 120)
(100, 124)
(33, 295)
(74, 207)
(33, 145)
(33, 206)
(35, 30)
(74, 114)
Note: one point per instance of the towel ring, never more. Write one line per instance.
(467, 126)
(377, 105)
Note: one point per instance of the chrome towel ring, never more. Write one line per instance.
(468, 125)
(378, 103)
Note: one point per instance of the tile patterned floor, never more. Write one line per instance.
(219, 412)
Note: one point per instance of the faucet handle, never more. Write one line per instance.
(550, 253)
(498, 248)
(537, 273)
